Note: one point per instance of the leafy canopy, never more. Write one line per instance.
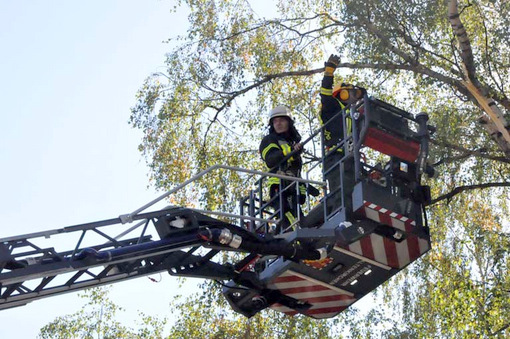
(234, 64)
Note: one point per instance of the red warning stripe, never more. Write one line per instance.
(366, 247)
(302, 289)
(413, 245)
(287, 278)
(391, 252)
(384, 214)
(369, 246)
(328, 298)
(335, 309)
(385, 219)
(323, 306)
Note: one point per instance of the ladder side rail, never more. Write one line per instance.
(307, 176)
(79, 227)
(125, 218)
(261, 200)
(106, 276)
(360, 128)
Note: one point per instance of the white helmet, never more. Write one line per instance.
(280, 111)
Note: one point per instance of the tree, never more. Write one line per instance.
(207, 316)
(446, 58)
(97, 319)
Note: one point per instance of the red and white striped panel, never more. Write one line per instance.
(383, 215)
(384, 250)
(326, 300)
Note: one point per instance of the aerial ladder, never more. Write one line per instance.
(317, 267)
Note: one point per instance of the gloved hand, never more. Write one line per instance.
(333, 61)
(314, 192)
(298, 147)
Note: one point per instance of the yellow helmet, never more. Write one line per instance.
(344, 92)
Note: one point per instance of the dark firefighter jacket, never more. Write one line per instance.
(273, 148)
(330, 107)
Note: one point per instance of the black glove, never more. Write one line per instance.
(314, 192)
(333, 61)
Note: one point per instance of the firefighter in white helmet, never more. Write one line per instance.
(282, 139)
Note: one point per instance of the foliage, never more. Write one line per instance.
(98, 320)
(209, 107)
(460, 289)
(206, 316)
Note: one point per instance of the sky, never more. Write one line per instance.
(69, 72)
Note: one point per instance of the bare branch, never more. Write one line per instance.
(466, 153)
(461, 189)
(500, 330)
(256, 84)
(412, 64)
(231, 96)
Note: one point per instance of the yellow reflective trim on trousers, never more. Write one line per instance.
(290, 217)
(326, 91)
(268, 147)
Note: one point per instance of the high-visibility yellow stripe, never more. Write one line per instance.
(268, 147)
(349, 125)
(326, 91)
(286, 149)
(273, 181)
(328, 70)
(342, 106)
(320, 120)
(290, 217)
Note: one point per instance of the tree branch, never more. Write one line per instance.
(461, 189)
(466, 153)
(412, 63)
(256, 84)
(481, 93)
(500, 330)
(466, 52)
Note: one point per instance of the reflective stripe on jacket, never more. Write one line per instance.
(334, 132)
(273, 149)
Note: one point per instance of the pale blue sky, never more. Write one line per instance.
(69, 72)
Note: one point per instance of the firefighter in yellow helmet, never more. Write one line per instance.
(334, 100)
(283, 138)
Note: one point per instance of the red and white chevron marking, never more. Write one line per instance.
(384, 250)
(326, 300)
(383, 215)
